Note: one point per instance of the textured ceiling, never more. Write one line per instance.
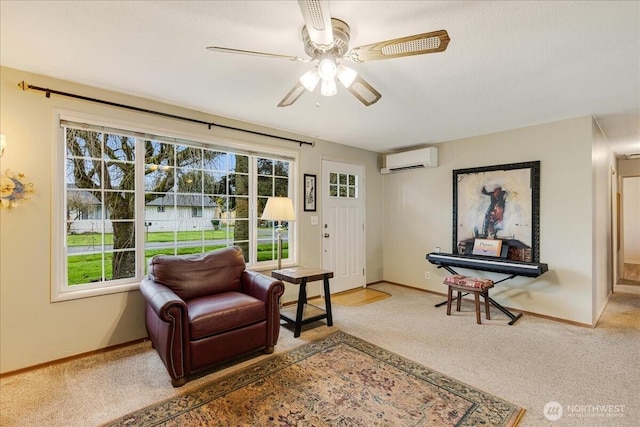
(508, 65)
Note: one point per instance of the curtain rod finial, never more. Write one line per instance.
(23, 85)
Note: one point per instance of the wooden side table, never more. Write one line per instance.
(304, 312)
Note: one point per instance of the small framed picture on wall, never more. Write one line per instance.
(309, 193)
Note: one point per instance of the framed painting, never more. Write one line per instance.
(500, 202)
(309, 193)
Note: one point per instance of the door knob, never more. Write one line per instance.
(326, 235)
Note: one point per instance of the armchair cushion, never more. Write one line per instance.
(193, 276)
(223, 312)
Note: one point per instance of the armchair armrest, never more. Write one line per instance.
(261, 286)
(167, 327)
(269, 290)
(161, 299)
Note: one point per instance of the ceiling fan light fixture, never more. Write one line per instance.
(310, 79)
(328, 87)
(327, 69)
(346, 75)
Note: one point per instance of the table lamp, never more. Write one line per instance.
(279, 209)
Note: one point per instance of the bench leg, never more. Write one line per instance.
(486, 304)
(458, 301)
(476, 296)
(449, 296)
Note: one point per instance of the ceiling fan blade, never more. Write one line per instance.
(435, 41)
(317, 19)
(364, 91)
(254, 53)
(293, 95)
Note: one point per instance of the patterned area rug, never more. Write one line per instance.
(339, 380)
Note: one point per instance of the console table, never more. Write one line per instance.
(303, 312)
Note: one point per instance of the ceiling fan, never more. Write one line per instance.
(326, 41)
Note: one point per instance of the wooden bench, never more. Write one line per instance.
(473, 285)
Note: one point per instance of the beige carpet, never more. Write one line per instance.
(532, 363)
(631, 274)
(339, 380)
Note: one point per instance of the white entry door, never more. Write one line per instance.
(343, 249)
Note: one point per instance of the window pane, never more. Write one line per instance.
(83, 173)
(281, 168)
(123, 234)
(238, 163)
(281, 187)
(219, 182)
(120, 204)
(120, 176)
(83, 205)
(189, 157)
(189, 181)
(265, 186)
(265, 167)
(120, 265)
(158, 178)
(84, 143)
(214, 160)
(239, 184)
(262, 202)
(118, 147)
(266, 250)
(83, 269)
(159, 154)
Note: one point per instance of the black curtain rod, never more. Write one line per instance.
(25, 86)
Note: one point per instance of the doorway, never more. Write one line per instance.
(630, 236)
(343, 246)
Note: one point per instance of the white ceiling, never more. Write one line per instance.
(508, 65)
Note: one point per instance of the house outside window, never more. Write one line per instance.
(129, 197)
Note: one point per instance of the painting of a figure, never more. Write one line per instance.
(498, 202)
(495, 212)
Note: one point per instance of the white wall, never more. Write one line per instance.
(626, 169)
(418, 216)
(631, 215)
(603, 165)
(32, 329)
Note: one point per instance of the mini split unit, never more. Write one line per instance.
(409, 160)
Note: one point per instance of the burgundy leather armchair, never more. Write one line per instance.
(206, 308)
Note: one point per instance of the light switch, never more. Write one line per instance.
(314, 220)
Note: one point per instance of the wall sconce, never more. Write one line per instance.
(13, 187)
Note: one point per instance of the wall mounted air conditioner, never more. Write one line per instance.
(409, 160)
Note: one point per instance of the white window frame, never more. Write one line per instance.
(60, 290)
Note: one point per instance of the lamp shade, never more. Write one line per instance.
(279, 209)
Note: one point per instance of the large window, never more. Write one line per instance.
(127, 197)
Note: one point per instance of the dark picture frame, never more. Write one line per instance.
(498, 202)
(309, 192)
